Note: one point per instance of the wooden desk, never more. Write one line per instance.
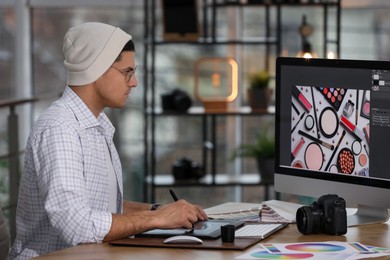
(376, 235)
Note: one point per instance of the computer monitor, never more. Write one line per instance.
(333, 132)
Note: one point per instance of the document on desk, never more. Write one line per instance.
(271, 211)
(234, 210)
(278, 211)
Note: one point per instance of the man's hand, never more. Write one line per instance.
(137, 218)
(179, 214)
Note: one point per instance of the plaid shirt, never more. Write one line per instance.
(63, 198)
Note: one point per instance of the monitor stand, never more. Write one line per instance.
(367, 215)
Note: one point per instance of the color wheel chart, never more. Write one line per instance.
(316, 247)
(266, 255)
(307, 250)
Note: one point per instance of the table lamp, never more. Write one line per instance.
(216, 83)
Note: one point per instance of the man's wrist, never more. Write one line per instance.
(155, 206)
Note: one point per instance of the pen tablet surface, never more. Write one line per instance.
(203, 229)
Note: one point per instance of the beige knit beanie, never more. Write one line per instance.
(90, 49)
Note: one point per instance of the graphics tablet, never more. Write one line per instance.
(210, 229)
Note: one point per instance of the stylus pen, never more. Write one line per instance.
(173, 194)
(175, 198)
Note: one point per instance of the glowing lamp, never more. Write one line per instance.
(216, 82)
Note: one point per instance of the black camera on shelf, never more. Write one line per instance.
(186, 169)
(177, 100)
(327, 215)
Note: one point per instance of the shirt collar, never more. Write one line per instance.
(84, 115)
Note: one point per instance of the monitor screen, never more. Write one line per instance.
(333, 132)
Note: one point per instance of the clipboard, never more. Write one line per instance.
(208, 229)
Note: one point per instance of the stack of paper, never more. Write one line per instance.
(274, 211)
(235, 210)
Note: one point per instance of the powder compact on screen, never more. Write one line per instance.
(314, 156)
(329, 122)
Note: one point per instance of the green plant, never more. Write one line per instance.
(263, 147)
(259, 79)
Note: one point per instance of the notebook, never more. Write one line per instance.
(209, 229)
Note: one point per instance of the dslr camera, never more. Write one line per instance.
(327, 215)
(186, 169)
(177, 100)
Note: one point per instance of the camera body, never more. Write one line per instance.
(186, 169)
(327, 215)
(177, 100)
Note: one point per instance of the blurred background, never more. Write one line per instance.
(33, 76)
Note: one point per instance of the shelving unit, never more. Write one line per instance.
(154, 179)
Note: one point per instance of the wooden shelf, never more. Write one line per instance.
(221, 41)
(249, 179)
(199, 111)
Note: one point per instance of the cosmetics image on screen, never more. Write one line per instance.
(315, 113)
(299, 120)
(333, 168)
(348, 109)
(363, 159)
(366, 131)
(314, 156)
(329, 122)
(309, 122)
(352, 128)
(297, 147)
(298, 164)
(365, 149)
(296, 109)
(363, 172)
(327, 145)
(334, 152)
(356, 147)
(365, 109)
(357, 107)
(346, 161)
(334, 96)
(301, 99)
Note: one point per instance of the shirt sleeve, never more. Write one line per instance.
(59, 162)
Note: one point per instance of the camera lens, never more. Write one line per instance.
(309, 219)
(182, 102)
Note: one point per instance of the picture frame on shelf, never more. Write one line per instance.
(180, 20)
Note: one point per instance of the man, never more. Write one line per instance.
(71, 188)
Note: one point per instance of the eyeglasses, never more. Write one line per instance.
(128, 74)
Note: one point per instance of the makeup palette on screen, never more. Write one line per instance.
(330, 129)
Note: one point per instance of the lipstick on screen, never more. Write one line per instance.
(297, 148)
(301, 98)
(352, 128)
